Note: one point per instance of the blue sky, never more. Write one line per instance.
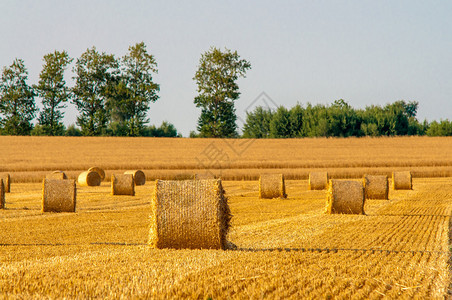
(366, 52)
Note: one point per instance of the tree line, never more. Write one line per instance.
(113, 96)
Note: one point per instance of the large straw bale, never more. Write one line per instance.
(89, 178)
(2, 194)
(402, 180)
(7, 182)
(376, 186)
(206, 175)
(190, 214)
(345, 197)
(56, 175)
(138, 176)
(272, 186)
(318, 180)
(100, 171)
(58, 195)
(122, 184)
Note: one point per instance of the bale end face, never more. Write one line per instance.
(2, 194)
(272, 186)
(58, 195)
(122, 184)
(89, 178)
(376, 187)
(191, 214)
(345, 197)
(318, 180)
(99, 171)
(138, 176)
(402, 180)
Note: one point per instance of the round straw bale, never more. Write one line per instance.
(122, 184)
(56, 175)
(138, 176)
(7, 182)
(190, 214)
(318, 180)
(402, 180)
(206, 175)
(2, 194)
(100, 171)
(345, 197)
(272, 186)
(58, 195)
(376, 186)
(89, 178)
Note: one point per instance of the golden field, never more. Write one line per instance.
(287, 248)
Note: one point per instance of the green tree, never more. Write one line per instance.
(257, 123)
(135, 90)
(17, 104)
(442, 128)
(95, 82)
(53, 91)
(280, 125)
(217, 90)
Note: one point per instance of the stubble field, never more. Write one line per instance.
(286, 247)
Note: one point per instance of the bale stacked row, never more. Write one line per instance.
(190, 214)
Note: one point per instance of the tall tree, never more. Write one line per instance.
(135, 90)
(217, 90)
(17, 104)
(94, 82)
(53, 91)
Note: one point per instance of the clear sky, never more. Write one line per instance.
(365, 52)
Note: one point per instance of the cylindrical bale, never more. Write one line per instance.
(206, 175)
(122, 184)
(345, 197)
(402, 180)
(376, 187)
(2, 194)
(89, 178)
(318, 180)
(7, 182)
(272, 186)
(138, 176)
(100, 171)
(58, 195)
(56, 175)
(191, 214)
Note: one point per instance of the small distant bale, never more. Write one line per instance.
(191, 214)
(272, 186)
(58, 195)
(89, 178)
(2, 194)
(56, 175)
(345, 197)
(100, 171)
(7, 182)
(138, 176)
(402, 180)
(376, 187)
(318, 180)
(206, 175)
(122, 184)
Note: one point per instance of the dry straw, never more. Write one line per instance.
(7, 182)
(376, 187)
(89, 178)
(206, 175)
(122, 184)
(318, 180)
(402, 180)
(2, 194)
(56, 175)
(58, 195)
(345, 197)
(138, 176)
(190, 214)
(99, 171)
(272, 186)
